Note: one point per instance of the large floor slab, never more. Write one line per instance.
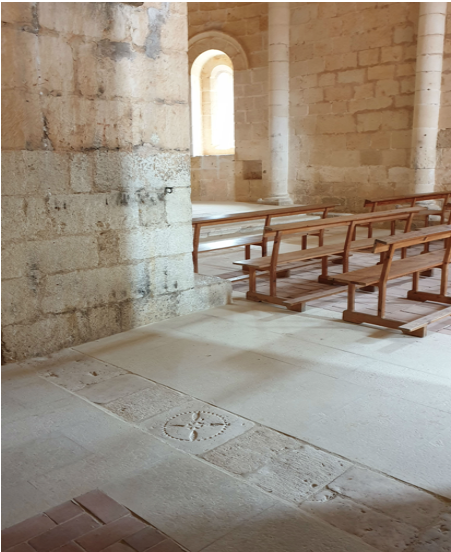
(372, 396)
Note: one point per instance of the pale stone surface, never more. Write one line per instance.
(278, 464)
(196, 427)
(376, 529)
(78, 373)
(250, 452)
(176, 495)
(113, 388)
(146, 403)
(145, 472)
(437, 538)
(393, 498)
(40, 456)
(283, 529)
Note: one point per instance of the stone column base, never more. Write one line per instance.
(279, 200)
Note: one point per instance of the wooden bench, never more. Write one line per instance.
(261, 240)
(411, 201)
(279, 264)
(391, 269)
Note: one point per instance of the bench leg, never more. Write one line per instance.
(370, 289)
(323, 278)
(421, 332)
(444, 279)
(195, 262)
(284, 273)
(304, 242)
(300, 307)
(247, 255)
(338, 261)
(415, 281)
(381, 300)
(252, 280)
(349, 315)
(351, 297)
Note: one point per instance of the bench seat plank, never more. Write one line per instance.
(230, 242)
(264, 263)
(425, 320)
(314, 295)
(370, 276)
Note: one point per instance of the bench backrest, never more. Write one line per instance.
(424, 235)
(351, 222)
(334, 222)
(267, 214)
(410, 199)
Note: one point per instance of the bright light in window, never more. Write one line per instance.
(212, 104)
(222, 120)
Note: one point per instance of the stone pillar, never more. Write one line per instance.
(431, 32)
(278, 100)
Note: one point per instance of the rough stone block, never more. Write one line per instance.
(114, 388)
(17, 12)
(63, 254)
(56, 63)
(436, 538)
(21, 120)
(173, 273)
(336, 124)
(178, 206)
(76, 373)
(48, 172)
(353, 76)
(20, 299)
(385, 494)
(38, 339)
(92, 288)
(81, 173)
(146, 403)
(208, 292)
(280, 465)
(374, 528)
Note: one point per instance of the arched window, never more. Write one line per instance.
(212, 105)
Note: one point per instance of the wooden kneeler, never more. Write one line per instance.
(379, 275)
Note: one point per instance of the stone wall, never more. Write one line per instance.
(213, 178)
(352, 90)
(443, 172)
(248, 23)
(96, 173)
(352, 83)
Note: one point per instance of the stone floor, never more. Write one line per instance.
(243, 428)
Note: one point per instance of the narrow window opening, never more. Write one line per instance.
(212, 105)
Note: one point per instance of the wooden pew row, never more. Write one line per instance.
(411, 201)
(296, 259)
(260, 240)
(391, 269)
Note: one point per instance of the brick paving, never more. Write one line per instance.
(93, 522)
(306, 279)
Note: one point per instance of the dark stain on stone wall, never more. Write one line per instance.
(115, 50)
(156, 19)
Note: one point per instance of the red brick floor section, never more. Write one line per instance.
(93, 522)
